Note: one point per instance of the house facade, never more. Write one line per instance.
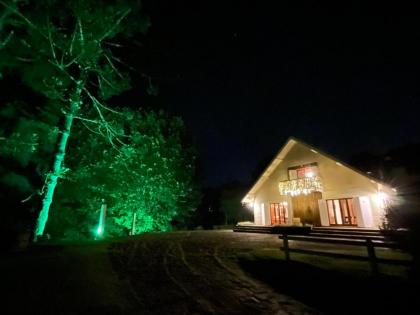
(303, 185)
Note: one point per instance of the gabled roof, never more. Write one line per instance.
(281, 155)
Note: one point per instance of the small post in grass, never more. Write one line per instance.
(372, 257)
(101, 224)
(286, 247)
(133, 224)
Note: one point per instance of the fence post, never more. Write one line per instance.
(372, 257)
(286, 247)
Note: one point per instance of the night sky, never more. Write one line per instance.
(246, 77)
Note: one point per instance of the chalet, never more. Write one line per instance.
(303, 185)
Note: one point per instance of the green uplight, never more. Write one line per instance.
(99, 230)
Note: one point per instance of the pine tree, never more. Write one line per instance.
(65, 50)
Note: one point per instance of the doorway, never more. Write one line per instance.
(306, 208)
(278, 212)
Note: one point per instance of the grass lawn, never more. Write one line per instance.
(198, 272)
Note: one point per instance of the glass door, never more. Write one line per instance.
(278, 212)
(341, 212)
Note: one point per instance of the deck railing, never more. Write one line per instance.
(367, 242)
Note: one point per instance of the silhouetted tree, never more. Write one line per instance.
(231, 203)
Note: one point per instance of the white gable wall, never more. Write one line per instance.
(338, 181)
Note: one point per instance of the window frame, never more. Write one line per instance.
(353, 218)
(299, 167)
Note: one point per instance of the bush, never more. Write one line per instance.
(402, 224)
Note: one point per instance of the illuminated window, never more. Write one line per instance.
(341, 212)
(278, 212)
(308, 170)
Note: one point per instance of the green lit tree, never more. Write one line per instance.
(27, 143)
(65, 50)
(151, 177)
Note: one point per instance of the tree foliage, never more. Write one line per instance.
(152, 175)
(65, 50)
(55, 43)
(138, 161)
(27, 143)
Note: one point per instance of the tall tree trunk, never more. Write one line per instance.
(54, 174)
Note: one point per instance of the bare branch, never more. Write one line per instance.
(115, 25)
(113, 44)
(82, 38)
(96, 102)
(24, 59)
(91, 130)
(25, 43)
(86, 119)
(110, 139)
(73, 36)
(97, 106)
(63, 70)
(106, 81)
(72, 61)
(119, 140)
(4, 42)
(27, 198)
(113, 67)
(51, 42)
(100, 83)
(125, 64)
(32, 25)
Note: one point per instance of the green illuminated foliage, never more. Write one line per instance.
(27, 136)
(151, 175)
(27, 143)
(64, 50)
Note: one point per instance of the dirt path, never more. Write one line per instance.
(158, 273)
(196, 273)
(199, 272)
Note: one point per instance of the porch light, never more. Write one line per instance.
(381, 199)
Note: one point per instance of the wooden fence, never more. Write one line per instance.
(367, 242)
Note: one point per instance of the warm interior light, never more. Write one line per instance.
(309, 174)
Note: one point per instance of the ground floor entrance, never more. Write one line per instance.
(306, 208)
(312, 209)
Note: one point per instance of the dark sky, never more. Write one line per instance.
(246, 77)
